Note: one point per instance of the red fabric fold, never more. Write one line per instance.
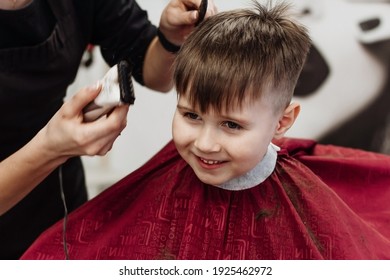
(321, 202)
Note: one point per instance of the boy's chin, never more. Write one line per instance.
(211, 181)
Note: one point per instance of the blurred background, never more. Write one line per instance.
(344, 88)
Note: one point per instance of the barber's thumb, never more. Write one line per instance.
(94, 89)
(81, 99)
(89, 94)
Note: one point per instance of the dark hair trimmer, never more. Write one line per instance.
(117, 89)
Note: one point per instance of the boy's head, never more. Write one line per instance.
(235, 76)
(255, 53)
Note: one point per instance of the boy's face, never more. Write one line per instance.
(220, 147)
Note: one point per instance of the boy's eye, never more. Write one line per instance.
(191, 116)
(232, 125)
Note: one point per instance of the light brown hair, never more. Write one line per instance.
(239, 52)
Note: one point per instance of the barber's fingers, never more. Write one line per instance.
(108, 141)
(193, 6)
(108, 146)
(180, 16)
(121, 116)
(101, 146)
(113, 123)
(186, 13)
(101, 134)
(183, 12)
(74, 106)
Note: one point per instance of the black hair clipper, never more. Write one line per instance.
(117, 88)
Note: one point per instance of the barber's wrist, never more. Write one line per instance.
(167, 45)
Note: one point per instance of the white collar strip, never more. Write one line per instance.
(257, 175)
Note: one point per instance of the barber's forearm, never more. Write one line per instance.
(158, 71)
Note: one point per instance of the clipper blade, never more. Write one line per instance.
(125, 82)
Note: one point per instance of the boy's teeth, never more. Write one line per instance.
(210, 161)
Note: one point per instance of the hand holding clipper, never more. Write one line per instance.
(117, 89)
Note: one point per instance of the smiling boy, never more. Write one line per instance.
(235, 79)
(223, 189)
(221, 147)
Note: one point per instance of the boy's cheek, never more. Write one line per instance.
(180, 139)
(182, 133)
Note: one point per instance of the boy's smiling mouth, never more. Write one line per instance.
(210, 164)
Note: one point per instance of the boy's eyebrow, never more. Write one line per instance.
(236, 119)
(223, 116)
(181, 107)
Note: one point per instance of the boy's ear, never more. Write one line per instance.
(287, 119)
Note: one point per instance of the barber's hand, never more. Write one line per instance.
(179, 17)
(67, 135)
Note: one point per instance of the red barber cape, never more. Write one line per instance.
(321, 202)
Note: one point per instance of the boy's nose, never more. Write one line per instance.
(207, 141)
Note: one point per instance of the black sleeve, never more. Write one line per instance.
(123, 31)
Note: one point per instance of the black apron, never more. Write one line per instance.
(33, 83)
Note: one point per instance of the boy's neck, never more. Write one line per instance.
(257, 175)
